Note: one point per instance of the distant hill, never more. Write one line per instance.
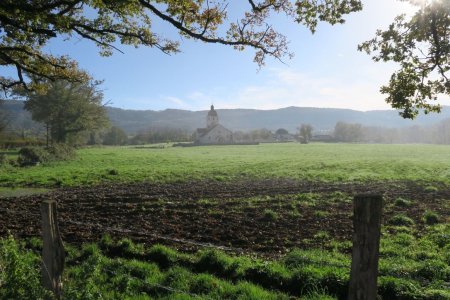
(322, 119)
(246, 119)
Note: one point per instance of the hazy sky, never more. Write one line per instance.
(327, 70)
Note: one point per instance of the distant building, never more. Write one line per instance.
(214, 133)
(283, 138)
(322, 138)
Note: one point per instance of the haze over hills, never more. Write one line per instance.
(322, 119)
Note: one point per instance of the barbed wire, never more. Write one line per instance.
(195, 243)
(304, 259)
(157, 236)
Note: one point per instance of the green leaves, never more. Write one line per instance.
(29, 25)
(67, 108)
(421, 48)
(310, 12)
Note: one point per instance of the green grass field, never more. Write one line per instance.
(314, 162)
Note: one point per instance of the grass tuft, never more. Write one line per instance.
(402, 202)
(430, 217)
(401, 220)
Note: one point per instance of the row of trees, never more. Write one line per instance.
(435, 134)
(343, 132)
(347, 132)
(161, 135)
(115, 136)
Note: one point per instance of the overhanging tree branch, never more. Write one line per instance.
(29, 25)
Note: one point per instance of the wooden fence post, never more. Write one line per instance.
(53, 254)
(367, 210)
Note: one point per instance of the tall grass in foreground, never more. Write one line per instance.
(125, 270)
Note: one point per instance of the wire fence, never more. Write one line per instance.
(156, 236)
(302, 260)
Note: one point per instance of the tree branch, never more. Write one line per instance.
(201, 36)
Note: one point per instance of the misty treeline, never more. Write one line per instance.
(354, 132)
(257, 135)
(116, 136)
(28, 132)
(342, 132)
(161, 135)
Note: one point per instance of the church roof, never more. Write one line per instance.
(203, 131)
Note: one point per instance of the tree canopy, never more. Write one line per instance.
(115, 136)
(346, 132)
(26, 27)
(68, 108)
(305, 131)
(421, 47)
(420, 44)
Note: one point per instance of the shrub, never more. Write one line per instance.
(19, 272)
(31, 156)
(61, 152)
(430, 217)
(401, 220)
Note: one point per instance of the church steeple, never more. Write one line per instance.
(212, 119)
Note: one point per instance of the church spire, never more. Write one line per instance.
(212, 119)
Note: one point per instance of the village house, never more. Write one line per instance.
(214, 133)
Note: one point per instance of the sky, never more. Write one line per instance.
(326, 71)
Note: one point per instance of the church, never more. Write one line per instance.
(214, 133)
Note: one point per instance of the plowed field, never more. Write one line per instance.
(266, 217)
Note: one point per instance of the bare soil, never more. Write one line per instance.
(265, 217)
